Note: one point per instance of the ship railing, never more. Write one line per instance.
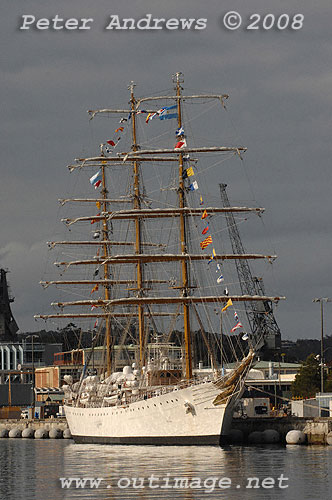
(157, 391)
(146, 393)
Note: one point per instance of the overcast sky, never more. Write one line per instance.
(280, 86)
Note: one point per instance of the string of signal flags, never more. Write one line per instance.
(165, 113)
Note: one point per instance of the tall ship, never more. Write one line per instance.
(148, 274)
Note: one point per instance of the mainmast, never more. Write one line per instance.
(137, 206)
(183, 243)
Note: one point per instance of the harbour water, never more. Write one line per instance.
(41, 469)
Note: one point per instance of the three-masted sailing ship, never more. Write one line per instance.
(153, 270)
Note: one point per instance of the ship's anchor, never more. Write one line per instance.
(190, 408)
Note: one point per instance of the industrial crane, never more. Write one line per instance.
(264, 327)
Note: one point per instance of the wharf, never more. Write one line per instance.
(34, 423)
(318, 430)
(54, 428)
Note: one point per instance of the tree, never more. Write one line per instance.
(307, 381)
(328, 383)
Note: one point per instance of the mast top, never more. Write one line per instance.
(131, 86)
(178, 77)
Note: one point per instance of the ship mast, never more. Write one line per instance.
(183, 243)
(137, 206)
(142, 302)
(104, 194)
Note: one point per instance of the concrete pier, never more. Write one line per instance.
(318, 430)
(55, 428)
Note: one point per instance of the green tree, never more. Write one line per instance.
(328, 383)
(307, 381)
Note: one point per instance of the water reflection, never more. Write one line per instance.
(30, 470)
(303, 466)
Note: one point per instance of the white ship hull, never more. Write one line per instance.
(181, 417)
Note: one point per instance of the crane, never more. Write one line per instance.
(264, 327)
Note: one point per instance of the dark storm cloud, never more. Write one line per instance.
(280, 105)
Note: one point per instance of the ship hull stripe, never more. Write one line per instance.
(215, 440)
